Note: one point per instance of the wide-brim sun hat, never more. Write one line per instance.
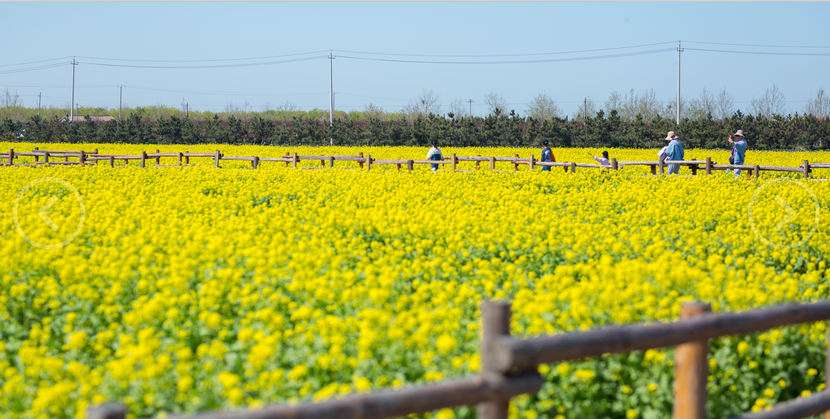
(739, 132)
(669, 135)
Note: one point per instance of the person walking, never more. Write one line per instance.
(434, 153)
(674, 151)
(547, 155)
(738, 150)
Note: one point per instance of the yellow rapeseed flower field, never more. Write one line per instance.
(194, 288)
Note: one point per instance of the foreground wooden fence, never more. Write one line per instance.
(509, 368)
(93, 157)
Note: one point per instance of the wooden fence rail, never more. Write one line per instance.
(509, 368)
(92, 157)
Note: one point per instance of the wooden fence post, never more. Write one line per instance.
(530, 163)
(187, 158)
(361, 161)
(454, 162)
(495, 323)
(11, 156)
(107, 411)
(573, 167)
(661, 165)
(691, 368)
(492, 163)
(516, 165)
(216, 159)
(294, 160)
(410, 163)
(158, 159)
(368, 162)
(81, 158)
(694, 169)
(180, 158)
(255, 162)
(708, 165)
(614, 164)
(478, 162)
(331, 162)
(46, 157)
(37, 158)
(806, 169)
(144, 158)
(757, 171)
(112, 161)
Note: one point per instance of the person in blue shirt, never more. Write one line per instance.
(738, 149)
(674, 151)
(547, 155)
(434, 153)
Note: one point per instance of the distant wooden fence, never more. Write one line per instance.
(509, 368)
(292, 160)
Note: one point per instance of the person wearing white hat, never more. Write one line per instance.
(738, 150)
(674, 151)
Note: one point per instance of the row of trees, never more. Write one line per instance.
(498, 129)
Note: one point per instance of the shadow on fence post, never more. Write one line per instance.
(495, 323)
(691, 368)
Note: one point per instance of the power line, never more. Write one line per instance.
(196, 61)
(596, 57)
(759, 52)
(505, 55)
(24, 70)
(759, 46)
(34, 62)
(208, 66)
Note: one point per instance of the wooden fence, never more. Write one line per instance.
(509, 368)
(292, 160)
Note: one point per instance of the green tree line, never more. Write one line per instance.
(500, 129)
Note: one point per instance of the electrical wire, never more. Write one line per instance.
(197, 92)
(597, 57)
(28, 69)
(196, 61)
(209, 66)
(505, 55)
(758, 46)
(761, 53)
(33, 62)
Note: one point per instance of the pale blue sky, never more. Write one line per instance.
(217, 31)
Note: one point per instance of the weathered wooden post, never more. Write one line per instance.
(515, 164)
(255, 162)
(46, 157)
(216, 159)
(757, 171)
(409, 165)
(368, 162)
(331, 162)
(360, 162)
(614, 164)
(144, 158)
(187, 158)
(495, 323)
(573, 167)
(399, 167)
(531, 163)
(158, 158)
(287, 155)
(294, 160)
(708, 165)
(107, 411)
(81, 158)
(454, 162)
(180, 158)
(806, 170)
(691, 368)
(662, 166)
(112, 161)
(492, 163)
(478, 162)
(11, 156)
(37, 158)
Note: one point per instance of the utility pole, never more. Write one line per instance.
(585, 109)
(38, 104)
(679, 50)
(72, 100)
(331, 95)
(120, 95)
(471, 107)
